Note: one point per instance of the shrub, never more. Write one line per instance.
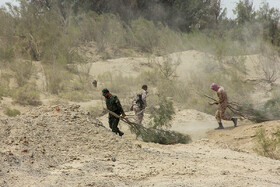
(57, 78)
(268, 146)
(6, 54)
(2, 91)
(164, 136)
(162, 115)
(27, 95)
(272, 108)
(12, 112)
(23, 71)
(146, 34)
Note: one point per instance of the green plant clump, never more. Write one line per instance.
(12, 112)
(268, 146)
(27, 95)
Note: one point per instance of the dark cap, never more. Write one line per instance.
(144, 86)
(105, 91)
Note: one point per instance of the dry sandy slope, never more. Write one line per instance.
(242, 138)
(133, 66)
(45, 147)
(189, 61)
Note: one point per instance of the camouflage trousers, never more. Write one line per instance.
(113, 123)
(139, 113)
(220, 113)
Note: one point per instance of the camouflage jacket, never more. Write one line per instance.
(143, 98)
(113, 104)
(223, 99)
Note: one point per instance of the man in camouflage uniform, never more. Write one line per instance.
(139, 104)
(113, 104)
(223, 103)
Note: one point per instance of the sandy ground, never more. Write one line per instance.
(132, 66)
(46, 147)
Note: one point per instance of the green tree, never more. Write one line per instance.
(269, 18)
(244, 11)
(163, 114)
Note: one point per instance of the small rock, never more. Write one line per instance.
(225, 172)
(43, 151)
(9, 153)
(24, 150)
(114, 159)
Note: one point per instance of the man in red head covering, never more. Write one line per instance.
(223, 103)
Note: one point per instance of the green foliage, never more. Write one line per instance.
(158, 135)
(163, 114)
(57, 78)
(146, 34)
(269, 18)
(6, 54)
(244, 11)
(3, 91)
(268, 146)
(27, 95)
(272, 108)
(12, 112)
(106, 30)
(23, 71)
(164, 136)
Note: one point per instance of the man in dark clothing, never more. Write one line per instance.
(113, 104)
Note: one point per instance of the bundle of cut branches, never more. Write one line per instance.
(154, 135)
(246, 112)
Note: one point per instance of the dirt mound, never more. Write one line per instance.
(63, 146)
(49, 137)
(242, 138)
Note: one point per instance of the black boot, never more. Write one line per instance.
(234, 121)
(220, 126)
(121, 133)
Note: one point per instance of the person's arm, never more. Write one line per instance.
(144, 97)
(221, 96)
(133, 103)
(213, 103)
(119, 106)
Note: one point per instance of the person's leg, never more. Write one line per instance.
(115, 122)
(227, 118)
(111, 121)
(115, 127)
(138, 114)
(140, 117)
(223, 115)
(219, 119)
